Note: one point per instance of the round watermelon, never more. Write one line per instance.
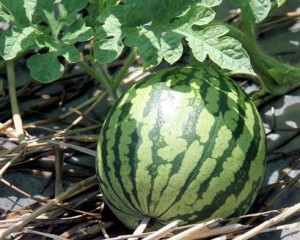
(182, 144)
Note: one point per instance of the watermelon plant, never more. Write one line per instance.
(183, 144)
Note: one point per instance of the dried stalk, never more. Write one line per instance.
(194, 232)
(71, 191)
(265, 225)
(48, 235)
(163, 231)
(141, 228)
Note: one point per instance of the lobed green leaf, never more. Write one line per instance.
(78, 32)
(30, 8)
(108, 39)
(68, 10)
(255, 10)
(16, 41)
(70, 53)
(45, 67)
(15, 12)
(197, 15)
(171, 47)
(107, 50)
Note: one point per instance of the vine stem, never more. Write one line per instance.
(248, 28)
(263, 63)
(99, 75)
(13, 100)
(123, 71)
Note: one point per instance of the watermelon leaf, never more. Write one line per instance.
(255, 10)
(225, 51)
(44, 24)
(15, 41)
(45, 67)
(281, 2)
(68, 10)
(78, 32)
(16, 13)
(158, 33)
(70, 53)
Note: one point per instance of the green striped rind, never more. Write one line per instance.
(184, 143)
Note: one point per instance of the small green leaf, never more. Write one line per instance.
(45, 68)
(107, 50)
(149, 47)
(45, 8)
(197, 15)
(14, 12)
(70, 53)
(68, 10)
(5, 14)
(45, 11)
(16, 41)
(255, 10)
(113, 19)
(209, 3)
(281, 2)
(47, 41)
(171, 47)
(144, 12)
(225, 51)
(78, 32)
(110, 45)
(30, 7)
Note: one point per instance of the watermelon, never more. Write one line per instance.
(183, 144)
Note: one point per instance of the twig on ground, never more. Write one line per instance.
(73, 146)
(267, 224)
(141, 228)
(48, 235)
(59, 161)
(163, 231)
(195, 231)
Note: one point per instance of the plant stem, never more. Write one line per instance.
(100, 75)
(106, 80)
(248, 28)
(123, 71)
(13, 100)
